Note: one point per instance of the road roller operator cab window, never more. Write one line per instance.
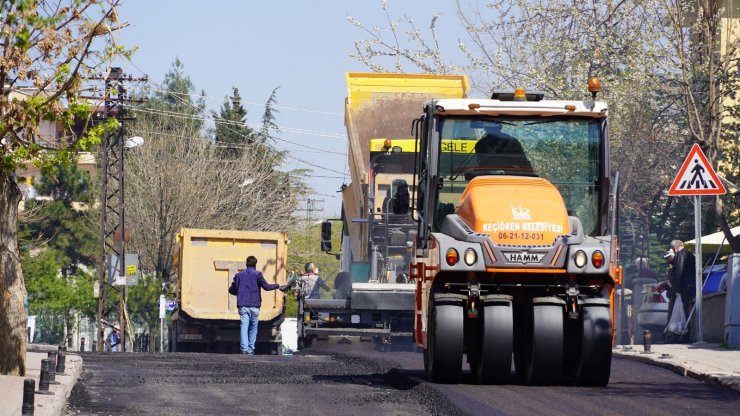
(563, 150)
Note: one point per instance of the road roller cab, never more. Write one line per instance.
(515, 249)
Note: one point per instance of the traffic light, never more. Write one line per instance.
(326, 236)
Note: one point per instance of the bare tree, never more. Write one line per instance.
(46, 50)
(698, 75)
(393, 48)
(658, 61)
(180, 179)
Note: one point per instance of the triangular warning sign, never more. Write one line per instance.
(696, 176)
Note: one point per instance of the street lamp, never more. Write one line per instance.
(130, 143)
(133, 142)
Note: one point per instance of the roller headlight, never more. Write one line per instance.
(452, 256)
(470, 257)
(580, 258)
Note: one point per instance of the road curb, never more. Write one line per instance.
(64, 389)
(662, 360)
(54, 405)
(11, 394)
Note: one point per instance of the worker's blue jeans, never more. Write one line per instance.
(250, 317)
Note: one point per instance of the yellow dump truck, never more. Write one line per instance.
(206, 318)
(376, 241)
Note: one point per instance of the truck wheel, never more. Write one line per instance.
(595, 362)
(444, 353)
(490, 360)
(543, 351)
(305, 342)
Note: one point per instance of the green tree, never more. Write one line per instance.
(175, 98)
(47, 50)
(65, 223)
(52, 295)
(232, 132)
(245, 190)
(65, 233)
(269, 119)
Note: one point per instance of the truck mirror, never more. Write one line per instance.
(326, 236)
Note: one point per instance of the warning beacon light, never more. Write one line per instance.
(387, 144)
(520, 94)
(594, 86)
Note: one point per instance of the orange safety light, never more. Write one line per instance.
(520, 94)
(570, 107)
(387, 144)
(597, 259)
(594, 86)
(452, 256)
(473, 106)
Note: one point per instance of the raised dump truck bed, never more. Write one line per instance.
(206, 318)
(375, 250)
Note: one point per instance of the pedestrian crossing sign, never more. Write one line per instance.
(696, 176)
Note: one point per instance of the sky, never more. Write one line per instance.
(301, 46)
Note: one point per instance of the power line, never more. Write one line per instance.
(314, 165)
(227, 123)
(290, 107)
(289, 156)
(232, 122)
(254, 103)
(181, 115)
(295, 130)
(315, 151)
(237, 145)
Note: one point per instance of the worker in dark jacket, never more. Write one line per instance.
(497, 150)
(248, 284)
(684, 275)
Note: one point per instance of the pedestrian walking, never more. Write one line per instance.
(684, 282)
(247, 286)
(114, 340)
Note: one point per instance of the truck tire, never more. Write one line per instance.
(490, 357)
(594, 365)
(444, 352)
(543, 352)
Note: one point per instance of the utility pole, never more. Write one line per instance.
(113, 232)
(311, 206)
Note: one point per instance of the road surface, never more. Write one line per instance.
(388, 383)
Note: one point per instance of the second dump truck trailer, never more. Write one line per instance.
(377, 239)
(206, 318)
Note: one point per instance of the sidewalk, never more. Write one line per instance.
(704, 361)
(11, 387)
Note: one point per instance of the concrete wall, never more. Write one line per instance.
(732, 307)
(713, 315)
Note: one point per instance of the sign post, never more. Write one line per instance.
(699, 301)
(696, 177)
(162, 314)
